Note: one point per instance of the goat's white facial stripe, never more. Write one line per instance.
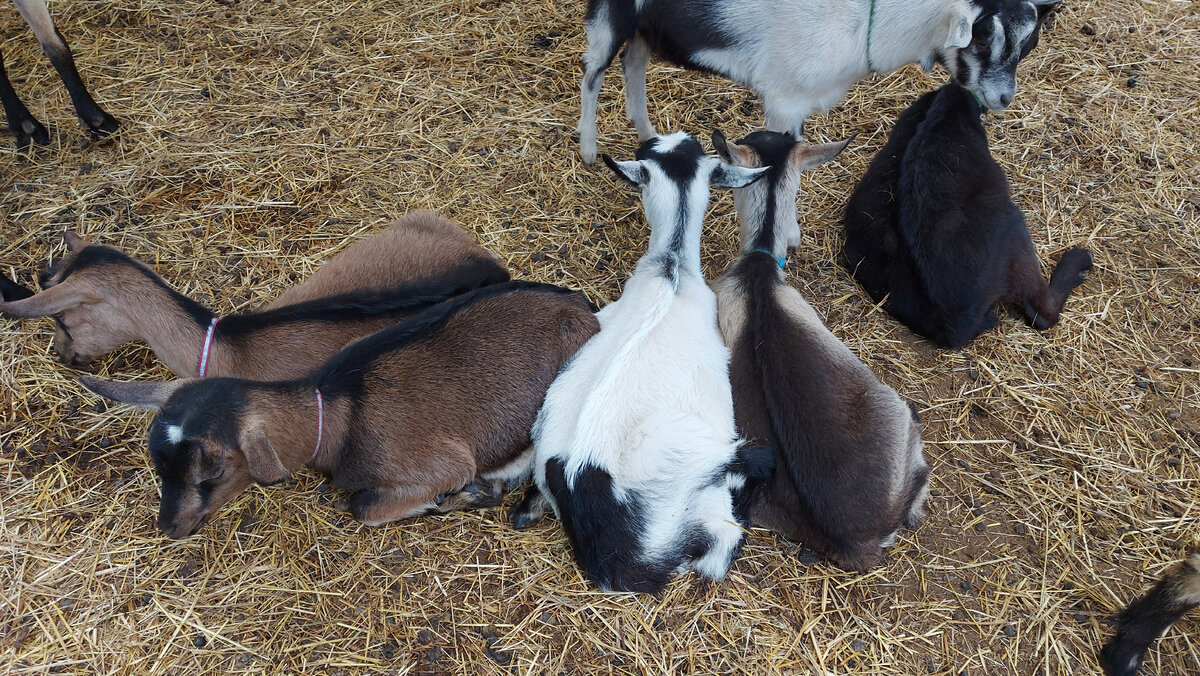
(174, 434)
(997, 39)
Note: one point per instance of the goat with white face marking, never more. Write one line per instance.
(102, 298)
(26, 128)
(635, 447)
(849, 470)
(1144, 620)
(933, 234)
(800, 56)
(402, 417)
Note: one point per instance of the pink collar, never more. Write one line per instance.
(320, 425)
(208, 338)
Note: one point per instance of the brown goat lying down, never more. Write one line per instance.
(849, 470)
(102, 298)
(399, 418)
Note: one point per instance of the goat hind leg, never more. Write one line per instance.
(602, 45)
(100, 123)
(633, 63)
(477, 494)
(23, 124)
(1042, 303)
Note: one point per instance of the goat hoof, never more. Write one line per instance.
(30, 131)
(102, 126)
(522, 520)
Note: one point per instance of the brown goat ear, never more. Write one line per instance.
(134, 392)
(733, 153)
(49, 302)
(261, 458)
(806, 157)
(74, 241)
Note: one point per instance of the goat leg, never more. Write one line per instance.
(22, 123)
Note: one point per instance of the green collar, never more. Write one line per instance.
(870, 26)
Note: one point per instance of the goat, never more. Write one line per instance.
(1147, 618)
(933, 234)
(10, 290)
(20, 120)
(849, 466)
(801, 56)
(428, 406)
(635, 447)
(101, 298)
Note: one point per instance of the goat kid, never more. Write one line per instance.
(1147, 618)
(22, 123)
(801, 56)
(101, 298)
(442, 401)
(933, 234)
(635, 447)
(849, 469)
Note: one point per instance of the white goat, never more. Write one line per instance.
(800, 56)
(635, 447)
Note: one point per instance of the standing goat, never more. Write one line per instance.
(102, 298)
(636, 447)
(399, 418)
(1140, 625)
(800, 56)
(933, 234)
(848, 464)
(26, 128)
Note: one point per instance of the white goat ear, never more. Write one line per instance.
(632, 171)
(136, 392)
(729, 176)
(962, 18)
(261, 458)
(805, 157)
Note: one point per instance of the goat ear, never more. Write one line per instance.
(730, 176)
(1044, 9)
(732, 152)
(49, 302)
(261, 458)
(10, 291)
(805, 157)
(135, 392)
(632, 171)
(962, 18)
(74, 241)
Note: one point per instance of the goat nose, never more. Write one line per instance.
(1006, 99)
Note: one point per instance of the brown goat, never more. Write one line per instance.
(102, 298)
(849, 470)
(400, 418)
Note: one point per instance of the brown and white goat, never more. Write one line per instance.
(102, 298)
(1140, 624)
(849, 470)
(400, 418)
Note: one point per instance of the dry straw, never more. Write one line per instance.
(261, 136)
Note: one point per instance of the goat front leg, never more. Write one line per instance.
(633, 61)
(602, 46)
(530, 510)
(37, 16)
(22, 123)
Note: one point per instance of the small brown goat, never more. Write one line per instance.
(400, 418)
(102, 298)
(849, 470)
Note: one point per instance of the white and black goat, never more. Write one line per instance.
(636, 448)
(400, 418)
(849, 470)
(1175, 594)
(933, 234)
(102, 298)
(26, 128)
(801, 56)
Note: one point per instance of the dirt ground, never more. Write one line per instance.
(260, 136)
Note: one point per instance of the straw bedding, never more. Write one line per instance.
(261, 136)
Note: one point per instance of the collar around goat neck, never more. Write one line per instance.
(320, 425)
(208, 338)
(781, 261)
(870, 26)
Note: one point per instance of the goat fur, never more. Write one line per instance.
(1138, 626)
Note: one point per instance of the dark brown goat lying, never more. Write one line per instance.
(399, 418)
(102, 298)
(1140, 625)
(849, 470)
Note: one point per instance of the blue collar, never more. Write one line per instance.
(781, 261)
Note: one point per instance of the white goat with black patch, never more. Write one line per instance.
(800, 56)
(636, 447)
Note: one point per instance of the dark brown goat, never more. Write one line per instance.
(102, 298)
(1140, 625)
(849, 470)
(399, 418)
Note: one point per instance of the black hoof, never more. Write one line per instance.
(102, 126)
(30, 131)
(529, 511)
